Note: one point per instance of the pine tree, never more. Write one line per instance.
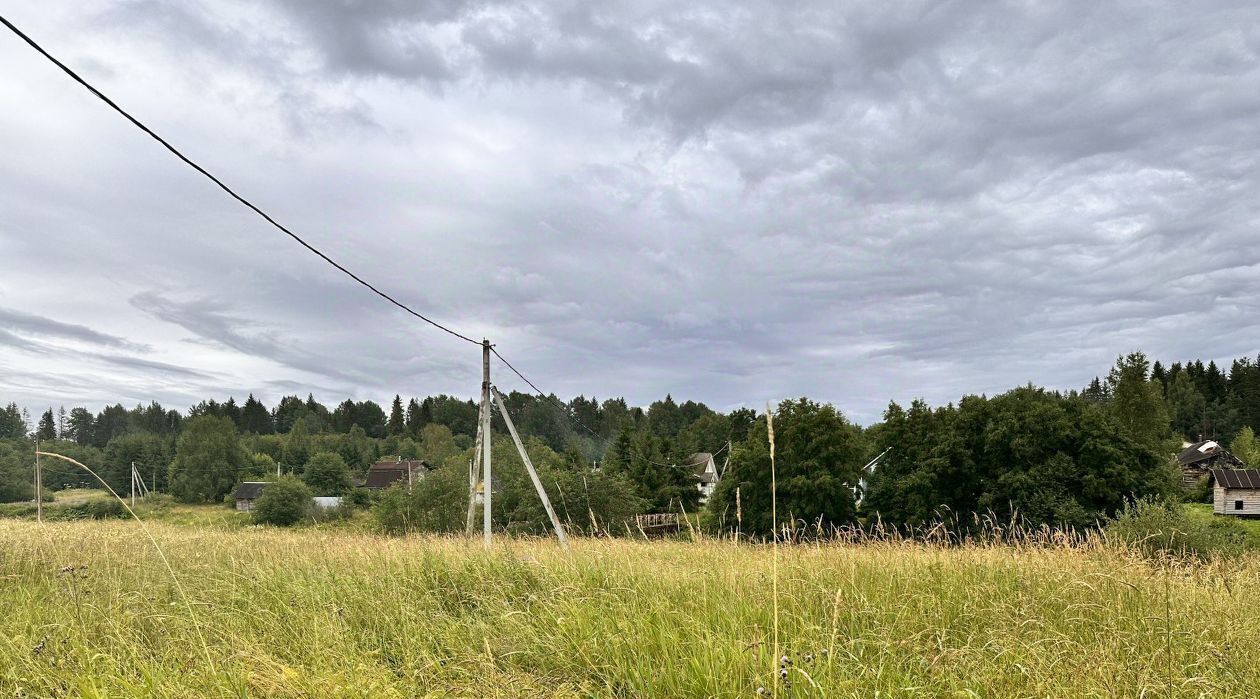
(414, 419)
(12, 426)
(255, 417)
(47, 430)
(62, 425)
(397, 421)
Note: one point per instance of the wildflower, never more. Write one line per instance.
(761, 691)
(783, 674)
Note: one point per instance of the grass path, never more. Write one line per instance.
(87, 610)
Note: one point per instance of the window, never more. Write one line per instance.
(1238, 504)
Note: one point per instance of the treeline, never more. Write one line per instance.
(201, 454)
(1061, 458)
(1203, 402)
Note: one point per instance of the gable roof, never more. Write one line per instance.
(250, 490)
(1206, 450)
(699, 462)
(383, 474)
(1237, 477)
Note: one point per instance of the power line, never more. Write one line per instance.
(250, 205)
(564, 409)
(137, 123)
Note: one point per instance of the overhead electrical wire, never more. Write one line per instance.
(188, 161)
(564, 409)
(279, 226)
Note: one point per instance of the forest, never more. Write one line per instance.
(1046, 457)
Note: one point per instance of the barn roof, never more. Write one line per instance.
(1198, 451)
(383, 474)
(250, 490)
(1237, 477)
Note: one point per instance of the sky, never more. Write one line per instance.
(730, 203)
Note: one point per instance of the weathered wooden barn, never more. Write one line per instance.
(1236, 491)
(383, 474)
(247, 493)
(1197, 459)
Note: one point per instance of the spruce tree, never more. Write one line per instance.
(397, 421)
(47, 430)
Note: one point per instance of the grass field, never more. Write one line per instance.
(87, 609)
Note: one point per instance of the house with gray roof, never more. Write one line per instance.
(1198, 459)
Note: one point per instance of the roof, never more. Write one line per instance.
(383, 474)
(1237, 477)
(250, 490)
(1198, 451)
(699, 462)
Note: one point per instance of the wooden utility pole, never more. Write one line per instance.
(529, 466)
(487, 480)
(133, 484)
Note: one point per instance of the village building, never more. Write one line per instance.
(1198, 459)
(1236, 491)
(247, 493)
(705, 470)
(383, 474)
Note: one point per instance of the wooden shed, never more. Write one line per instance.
(1236, 491)
(383, 474)
(247, 493)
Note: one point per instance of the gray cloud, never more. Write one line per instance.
(39, 326)
(729, 203)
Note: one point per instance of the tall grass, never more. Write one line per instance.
(88, 610)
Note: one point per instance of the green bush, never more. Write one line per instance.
(283, 503)
(327, 475)
(1202, 491)
(1163, 528)
(359, 498)
(91, 509)
(437, 503)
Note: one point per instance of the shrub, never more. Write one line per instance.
(437, 503)
(1163, 528)
(327, 475)
(283, 502)
(359, 498)
(91, 509)
(1202, 491)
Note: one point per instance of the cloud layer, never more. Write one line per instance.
(732, 204)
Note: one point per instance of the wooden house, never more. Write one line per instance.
(383, 474)
(1198, 459)
(247, 493)
(1236, 491)
(705, 470)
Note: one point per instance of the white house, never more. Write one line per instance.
(705, 470)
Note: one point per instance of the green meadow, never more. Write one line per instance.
(90, 609)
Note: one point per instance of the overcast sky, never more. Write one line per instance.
(729, 202)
